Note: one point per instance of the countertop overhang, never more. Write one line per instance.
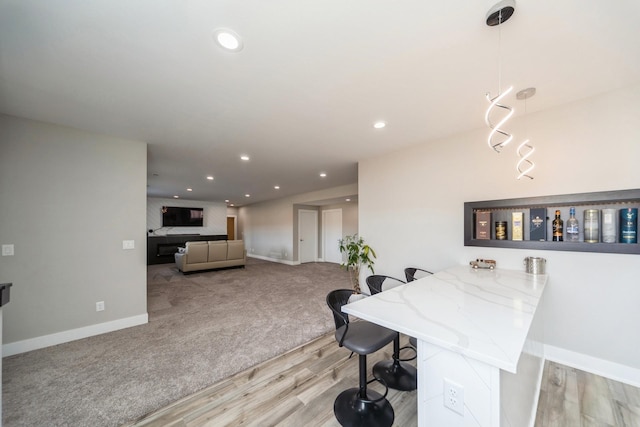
(482, 314)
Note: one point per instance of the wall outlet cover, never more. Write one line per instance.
(453, 396)
(7, 250)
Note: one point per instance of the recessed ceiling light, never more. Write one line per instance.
(226, 201)
(322, 174)
(228, 39)
(176, 197)
(247, 195)
(347, 200)
(231, 204)
(210, 178)
(189, 189)
(379, 125)
(277, 187)
(244, 157)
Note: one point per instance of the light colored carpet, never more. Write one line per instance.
(202, 328)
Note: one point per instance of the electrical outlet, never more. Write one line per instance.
(100, 306)
(454, 396)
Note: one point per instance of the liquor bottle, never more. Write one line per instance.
(573, 228)
(609, 227)
(629, 225)
(557, 228)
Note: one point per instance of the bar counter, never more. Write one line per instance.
(477, 329)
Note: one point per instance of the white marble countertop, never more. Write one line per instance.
(483, 314)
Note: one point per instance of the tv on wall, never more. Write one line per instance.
(182, 217)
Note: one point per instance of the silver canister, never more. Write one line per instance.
(535, 265)
(591, 228)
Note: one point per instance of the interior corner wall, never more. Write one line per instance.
(591, 301)
(68, 200)
(270, 229)
(215, 216)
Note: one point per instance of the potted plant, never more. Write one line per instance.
(358, 254)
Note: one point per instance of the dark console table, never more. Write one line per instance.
(160, 249)
(5, 288)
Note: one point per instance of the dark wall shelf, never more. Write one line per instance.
(501, 210)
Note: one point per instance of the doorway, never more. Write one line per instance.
(331, 234)
(232, 228)
(307, 236)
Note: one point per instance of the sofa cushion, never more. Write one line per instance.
(235, 249)
(217, 250)
(197, 252)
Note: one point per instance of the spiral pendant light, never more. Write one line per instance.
(498, 137)
(525, 165)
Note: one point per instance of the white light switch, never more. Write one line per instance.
(128, 244)
(7, 250)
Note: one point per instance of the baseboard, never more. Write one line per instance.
(71, 335)
(278, 260)
(615, 371)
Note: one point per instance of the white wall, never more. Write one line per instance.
(68, 200)
(266, 229)
(591, 304)
(215, 216)
(349, 216)
(269, 229)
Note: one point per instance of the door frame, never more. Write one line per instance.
(324, 232)
(315, 246)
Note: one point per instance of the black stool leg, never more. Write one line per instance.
(359, 407)
(396, 374)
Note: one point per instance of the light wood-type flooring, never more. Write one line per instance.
(571, 397)
(299, 387)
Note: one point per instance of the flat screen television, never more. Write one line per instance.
(182, 217)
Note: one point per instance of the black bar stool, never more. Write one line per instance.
(398, 374)
(359, 407)
(414, 273)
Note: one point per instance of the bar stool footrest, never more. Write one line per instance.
(353, 411)
(397, 375)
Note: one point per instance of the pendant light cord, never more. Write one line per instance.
(500, 52)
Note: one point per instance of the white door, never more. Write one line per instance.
(331, 234)
(307, 236)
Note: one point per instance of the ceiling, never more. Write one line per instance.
(302, 95)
